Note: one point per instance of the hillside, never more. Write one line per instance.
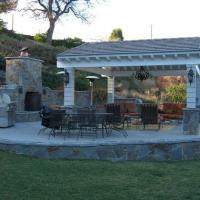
(11, 43)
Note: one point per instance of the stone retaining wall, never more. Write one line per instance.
(120, 152)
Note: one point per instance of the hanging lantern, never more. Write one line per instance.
(190, 76)
(142, 74)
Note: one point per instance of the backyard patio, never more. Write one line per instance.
(168, 143)
(176, 136)
(27, 133)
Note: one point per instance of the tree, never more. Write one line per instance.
(2, 25)
(116, 35)
(53, 10)
(7, 5)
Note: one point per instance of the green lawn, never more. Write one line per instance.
(30, 178)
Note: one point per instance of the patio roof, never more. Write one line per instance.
(135, 47)
(121, 58)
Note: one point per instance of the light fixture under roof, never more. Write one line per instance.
(142, 74)
(92, 78)
(60, 72)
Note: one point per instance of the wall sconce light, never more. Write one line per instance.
(190, 76)
(20, 90)
(66, 78)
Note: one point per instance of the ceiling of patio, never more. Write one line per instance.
(168, 70)
(161, 57)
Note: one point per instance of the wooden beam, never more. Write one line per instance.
(187, 55)
(99, 71)
(107, 58)
(118, 58)
(77, 59)
(151, 56)
(175, 56)
(140, 57)
(129, 57)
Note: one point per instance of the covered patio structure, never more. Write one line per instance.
(161, 57)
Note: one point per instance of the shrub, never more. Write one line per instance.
(81, 84)
(68, 42)
(100, 95)
(176, 93)
(50, 78)
(40, 37)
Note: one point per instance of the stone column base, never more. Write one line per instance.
(191, 121)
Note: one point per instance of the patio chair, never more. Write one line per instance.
(70, 124)
(56, 121)
(44, 115)
(149, 115)
(87, 122)
(116, 120)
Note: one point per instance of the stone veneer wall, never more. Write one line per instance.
(52, 97)
(120, 152)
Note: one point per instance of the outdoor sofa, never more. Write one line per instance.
(171, 111)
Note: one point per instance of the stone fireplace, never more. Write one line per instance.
(24, 87)
(26, 74)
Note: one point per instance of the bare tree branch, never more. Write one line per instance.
(58, 7)
(41, 4)
(53, 10)
(78, 14)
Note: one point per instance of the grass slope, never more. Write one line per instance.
(10, 46)
(29, 178)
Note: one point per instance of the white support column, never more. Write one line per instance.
(198, 90)
(110, 89)
(69, 89)
(192, 89)
(191, 113)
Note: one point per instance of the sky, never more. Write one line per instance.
(169, 19)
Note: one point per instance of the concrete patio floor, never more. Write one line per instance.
(27, 134)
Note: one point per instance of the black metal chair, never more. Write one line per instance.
(116, 120)
(70, 124)
(149, 115)
(87, 122)
(45, 116)
(56, 122)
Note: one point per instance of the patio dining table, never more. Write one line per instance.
(98, 120)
